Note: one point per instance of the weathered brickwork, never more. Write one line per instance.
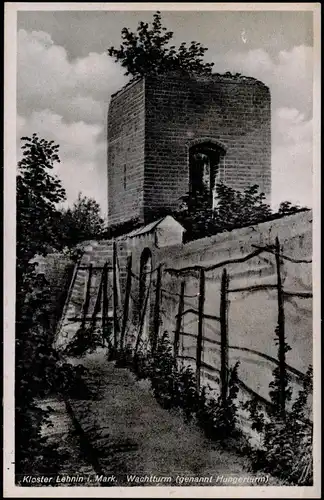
(154, 123)
(126, 154)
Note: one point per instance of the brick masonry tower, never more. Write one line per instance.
(167, 135)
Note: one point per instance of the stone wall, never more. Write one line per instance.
(232, 113)
(57, 270)
(253, 315)
(126, 118)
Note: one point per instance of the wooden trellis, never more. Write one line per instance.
(102, 304)
(222, 319)
(90, 319)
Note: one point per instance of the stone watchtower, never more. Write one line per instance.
(169, 135)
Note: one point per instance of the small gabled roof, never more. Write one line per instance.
(150, 227)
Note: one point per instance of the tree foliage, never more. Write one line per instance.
(38, 193)
(81, 222)
(41, 225)
(148, 52)
(38, 365)
(233, 209)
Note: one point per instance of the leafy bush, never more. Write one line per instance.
(286, 442)
(125, 358)
(70, 381)
(186, 393)
(286, 436)
(280, 392)
(234, 209)
(142, 365)
(176, 387)
(163, 370)
(218, 418)
(39, 370)
(32, 451)
(85, 340)
(80, 222)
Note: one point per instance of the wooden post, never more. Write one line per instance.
(179, 321)
(104, 318)
(126, 302)
(224, 336)
(119, 298)
(98, 302)
(200, 326)
(281, 335)
(87, 298)
(142, 319)
(115, 296)
(156, 326)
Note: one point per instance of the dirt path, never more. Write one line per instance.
(131, 435)
(72, 461)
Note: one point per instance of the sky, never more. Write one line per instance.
(65, 79)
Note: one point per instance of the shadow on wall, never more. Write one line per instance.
(57, 269)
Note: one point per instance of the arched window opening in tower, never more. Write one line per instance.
(206, 166)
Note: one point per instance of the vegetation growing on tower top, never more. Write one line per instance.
(148, 52)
